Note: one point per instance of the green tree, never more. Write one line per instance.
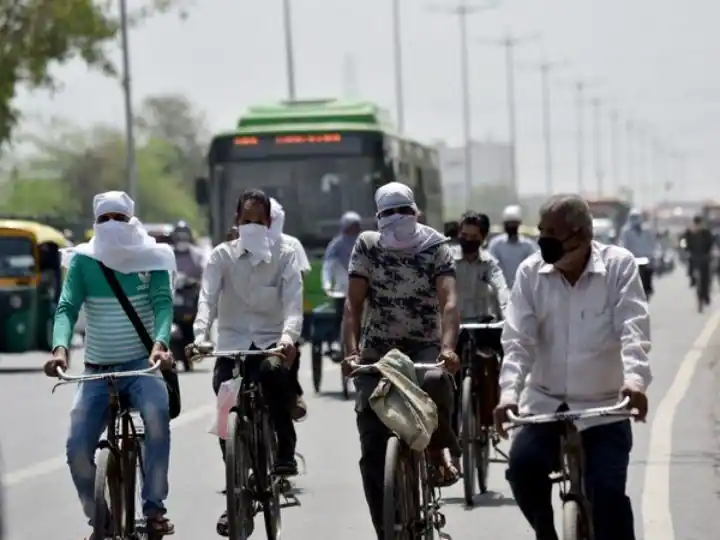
(37, 34)
(37, 196)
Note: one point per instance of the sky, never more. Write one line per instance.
(654, 61)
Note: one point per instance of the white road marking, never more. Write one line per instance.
(656, 511)
(55, 464)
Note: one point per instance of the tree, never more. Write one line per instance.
(37, 196)
(36, 34)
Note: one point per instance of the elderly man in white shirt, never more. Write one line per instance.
(253, 287)
(578, 325)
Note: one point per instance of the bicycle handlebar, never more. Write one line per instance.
(360, 369)
(619, 409)
(69, 379)
(206, 350)
(482, 326)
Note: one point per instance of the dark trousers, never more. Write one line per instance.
(278, 391)
(295, 371)
(374, 434)
(534, 454)
(646, 276)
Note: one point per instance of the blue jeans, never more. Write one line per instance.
(89, 417)
(535, 453)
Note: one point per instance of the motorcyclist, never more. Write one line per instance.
(641, 242)
(699, 242)
(189, 258)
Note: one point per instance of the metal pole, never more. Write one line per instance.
(397, 49)
(130, 164)
(547, 127)
(597, 144)
(289, 50)
(580, 136)
(511, 105)
(630, 169)
(466, 108)
(615, 149)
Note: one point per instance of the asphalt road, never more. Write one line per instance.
(681, 471)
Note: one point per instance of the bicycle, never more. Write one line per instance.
(577, 516)
(119, 462)
(479, 396)
(250, 450)
(411, 507)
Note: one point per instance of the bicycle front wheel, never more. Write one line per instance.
(237, 472)
(108, 515)
(467, 441)
(271, 489)
(400, 509)
(575, 522)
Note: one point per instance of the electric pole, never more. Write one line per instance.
(289, 51)
(597, 145)
(398, 56)
(130, 162)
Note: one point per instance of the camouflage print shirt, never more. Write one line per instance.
(402, 309)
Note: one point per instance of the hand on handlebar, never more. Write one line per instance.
(638, 402)
(58, 360)
(500, 417)
(450, 359)
(350, 364)
(160, 356)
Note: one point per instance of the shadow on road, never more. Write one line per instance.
(336, 395)
(491, 499)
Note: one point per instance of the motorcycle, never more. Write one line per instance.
(185, 299)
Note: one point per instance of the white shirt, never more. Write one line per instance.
(578, 344)
(640, 243)
(300, 255)
(257, 304)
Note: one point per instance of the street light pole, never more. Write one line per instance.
(580, 105)
(615, 148)
(630, 149)
(130, 162)
(597, 146)
(289, 50)
(398, 55)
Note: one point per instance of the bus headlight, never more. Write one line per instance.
(15, 301)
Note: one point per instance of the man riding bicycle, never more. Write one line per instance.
(142, 268)
(578, 325)
(253, 287)
(699, 243)
(406, 273)
(641, 242)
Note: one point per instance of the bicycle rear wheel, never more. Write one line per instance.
(108, 514)
(400, 506)
(268, 484)
(237, 473)
(575, 522)
(467, 440)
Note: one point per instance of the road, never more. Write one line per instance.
(678, 495)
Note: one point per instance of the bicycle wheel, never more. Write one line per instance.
(237, 473)
(575, 524)
(482, 459)
(400, 511)
(130, 451)
(108, 514)
(267, 482)
(467, 440)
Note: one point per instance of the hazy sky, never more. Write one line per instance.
(656, 60)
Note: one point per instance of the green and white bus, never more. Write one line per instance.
(319, 159)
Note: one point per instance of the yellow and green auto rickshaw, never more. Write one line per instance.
(30, 282)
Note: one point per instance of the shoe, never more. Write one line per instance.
(299, 412)
(286, 468)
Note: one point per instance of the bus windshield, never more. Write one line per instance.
(314, 192)
(16, 257)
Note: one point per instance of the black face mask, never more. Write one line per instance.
(469, 246)
(512, 229)
(551, 249)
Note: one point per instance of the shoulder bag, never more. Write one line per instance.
(170, 376)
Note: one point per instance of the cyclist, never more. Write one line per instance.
(406, 273)
(578, 325)
(641, 242)
(142, 268)
(253, 287)
(277, 217)
(699, 242)
(189, 258)
(511, 248)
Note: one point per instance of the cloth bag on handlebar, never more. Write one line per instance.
(401, 404)
(170, 376)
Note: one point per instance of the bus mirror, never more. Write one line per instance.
(202, 196)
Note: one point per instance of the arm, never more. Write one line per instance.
(519, 337)
(496, 278)
(71, 300)
(631, 319)
(328, 265)
(447, 297)
(208, 298)
(360, 270)
(291, 296)
(162, 306)
(302, 258)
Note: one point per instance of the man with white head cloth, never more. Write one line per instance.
(142, 268)
(511, 248)
(405, 272)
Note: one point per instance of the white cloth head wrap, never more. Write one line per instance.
(277, 220)
(124, 247)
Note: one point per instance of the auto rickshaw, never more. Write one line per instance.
(30, 284)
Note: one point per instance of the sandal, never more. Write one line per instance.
(159, 526)
(442, 472)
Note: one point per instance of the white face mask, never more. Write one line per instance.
(117, 234)
(398, 225)
(254, 238)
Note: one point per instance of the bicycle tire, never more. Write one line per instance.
(482, 460)
(130, 452)
(107, 518)
(573, 521)
(397, 503)
(271, 504)
(467, 441)
(236, 481)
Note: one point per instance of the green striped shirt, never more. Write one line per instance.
(110, 336)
